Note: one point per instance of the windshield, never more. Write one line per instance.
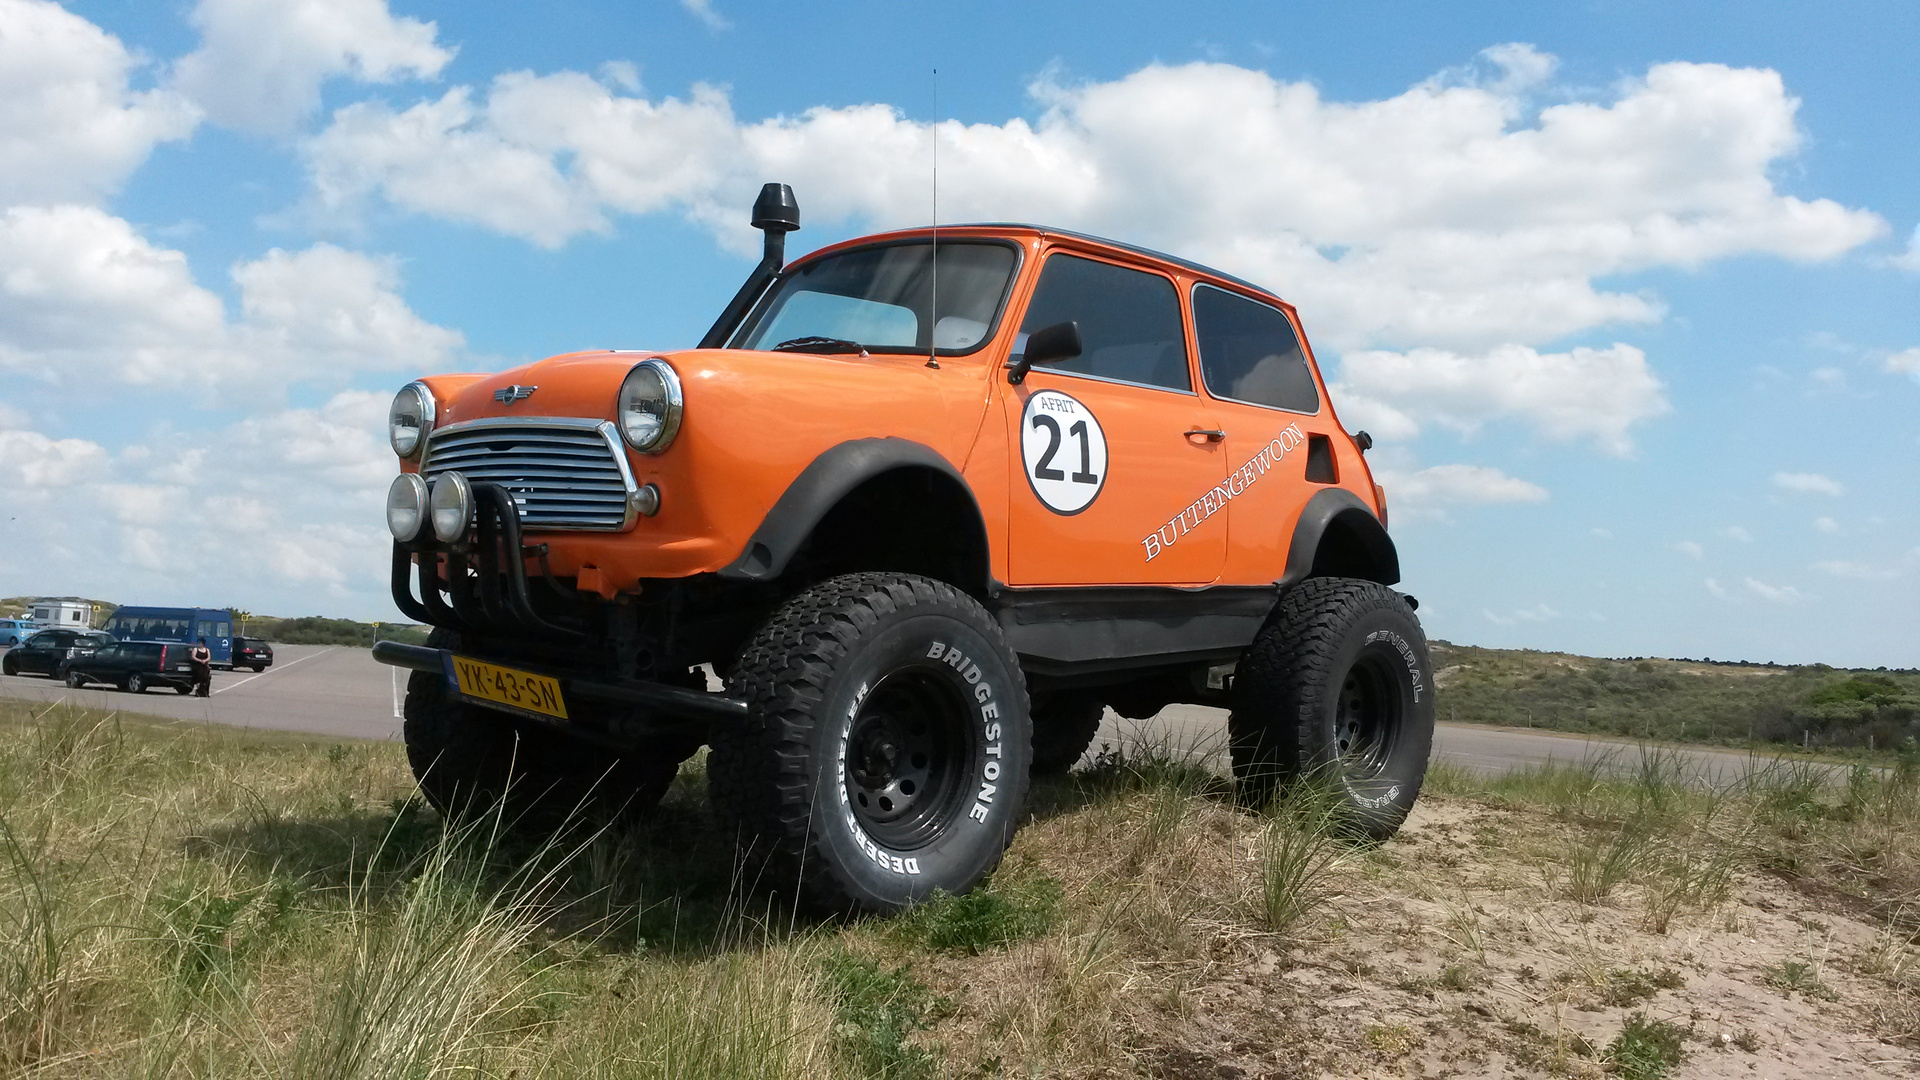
(878, 299)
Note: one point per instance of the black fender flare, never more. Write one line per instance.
(821, 485)
(1338, 508)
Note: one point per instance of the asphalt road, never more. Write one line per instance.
(342, 692)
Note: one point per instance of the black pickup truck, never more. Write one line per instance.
(133, 666)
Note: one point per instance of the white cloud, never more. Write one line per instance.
(1448, 216)
(703, 10)
(261, 63)
(165, 517)
(70, 128)
(1691, 549)
(1735, 532)
(1808, 483)
(1431, 490)
(1593, 394)
(1866, 571)
(1910, 259)
(1826, 525)
(84, 296)
(1778, 594)
(1905, 362)
(1718, 589)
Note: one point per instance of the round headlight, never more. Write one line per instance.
(649, 406)
(409, 420)
(451, 506)
(406, 506)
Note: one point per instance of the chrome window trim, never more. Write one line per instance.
(609, 433)
(1298, 342)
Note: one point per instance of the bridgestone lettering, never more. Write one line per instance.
(989, 710)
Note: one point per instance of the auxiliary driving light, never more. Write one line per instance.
(406, 506)
(451, 506)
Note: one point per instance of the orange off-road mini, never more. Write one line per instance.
(927, 503)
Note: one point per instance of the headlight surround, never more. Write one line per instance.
(406, 507)
(410, 419)
(649, 406)
(450, 505)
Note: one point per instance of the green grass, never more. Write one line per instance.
(1646, 1049)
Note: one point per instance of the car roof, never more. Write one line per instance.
(1004, 227)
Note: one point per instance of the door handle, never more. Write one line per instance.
(1212, 434)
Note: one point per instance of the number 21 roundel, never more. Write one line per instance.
(1064, 450)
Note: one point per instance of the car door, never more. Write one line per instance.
(1112, 445)
(1277, 434)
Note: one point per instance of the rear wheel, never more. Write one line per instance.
(182, 690)
(1063, 728)
(76, 680)
(1338, 684)
(885, 753)
(469, 761)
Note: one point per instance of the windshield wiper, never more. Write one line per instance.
(817, 344)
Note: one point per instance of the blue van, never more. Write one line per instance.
(177, 624)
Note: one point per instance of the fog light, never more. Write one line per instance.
(406, 506)
(451, 506)
(647, 501)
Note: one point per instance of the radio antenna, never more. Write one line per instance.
(933, 327)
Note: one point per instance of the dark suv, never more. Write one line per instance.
(133, 666)
(252, 652)
(44, 652)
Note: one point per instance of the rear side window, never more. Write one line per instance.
(1129, 321)
(145, 651)
(1249, 352)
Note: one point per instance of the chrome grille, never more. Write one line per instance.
(563, 473)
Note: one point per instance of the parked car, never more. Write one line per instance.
(926, 545)
(44, 652)
(132, 666)
(15, 631)
(251, 652)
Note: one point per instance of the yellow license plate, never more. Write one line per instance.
(507, 686)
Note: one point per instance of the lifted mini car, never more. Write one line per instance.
(926, 503)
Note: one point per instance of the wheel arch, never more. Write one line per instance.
(824, 519)
(1337, 535)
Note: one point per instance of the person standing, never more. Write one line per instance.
(202, 660)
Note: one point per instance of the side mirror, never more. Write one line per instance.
(1061, 341)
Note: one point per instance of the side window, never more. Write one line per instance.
(1248, 352)
(1129, 321)
(224, 629)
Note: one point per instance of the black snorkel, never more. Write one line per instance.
(776, 213)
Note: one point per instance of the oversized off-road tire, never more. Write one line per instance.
(885, 752)
(1063, 728)
(1337, 688)
(469, 761)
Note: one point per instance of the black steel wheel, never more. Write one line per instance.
(1338, 686)
(885, 753)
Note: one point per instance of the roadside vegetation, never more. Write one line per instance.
(1809, 706)
(185, 901)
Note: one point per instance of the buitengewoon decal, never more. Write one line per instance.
(1215, 500)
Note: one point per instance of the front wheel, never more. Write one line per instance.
(9, 665)
(885, 753)
(76, 680)
(136, 684)
(1339, 685)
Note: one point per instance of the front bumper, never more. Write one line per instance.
(486, 582)
(684, 711)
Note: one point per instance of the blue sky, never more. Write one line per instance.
(1626, 291)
